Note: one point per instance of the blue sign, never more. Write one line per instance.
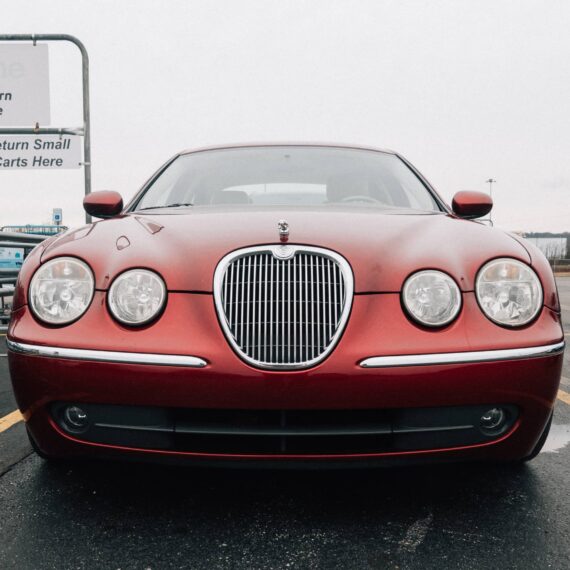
(11, 257)
(57, 216)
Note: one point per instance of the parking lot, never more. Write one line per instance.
(110, 515)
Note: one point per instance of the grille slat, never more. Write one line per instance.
(323, 328)
(253, 302)
(282, 302)
(247, 317)
(272, 271)
(232, 281)
(240, 290)
(317, 304)
(306, 346)
(283, 310)
(266, 308)
(329, 284)
(289, 294)
(295, 309)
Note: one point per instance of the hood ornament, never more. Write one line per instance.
(283, 226)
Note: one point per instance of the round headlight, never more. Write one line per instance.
(137, 296)
(509, 292)
(432, 298)
(61, 290)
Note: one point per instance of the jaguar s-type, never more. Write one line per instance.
(287, 304)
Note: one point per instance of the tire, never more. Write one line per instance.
(540, 443)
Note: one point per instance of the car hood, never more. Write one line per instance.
(383, 247)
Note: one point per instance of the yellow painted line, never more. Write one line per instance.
(15, 417)
(562, 395)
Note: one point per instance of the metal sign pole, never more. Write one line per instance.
(86, 130)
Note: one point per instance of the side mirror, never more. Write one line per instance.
(103, 204)
(470, 205)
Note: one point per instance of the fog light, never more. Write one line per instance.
(75, 418)
(493, 419)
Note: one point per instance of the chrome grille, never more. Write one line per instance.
(283, 306)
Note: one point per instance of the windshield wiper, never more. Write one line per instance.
(177, 205)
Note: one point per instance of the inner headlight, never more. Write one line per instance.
(137, 296)
(61, 290)
(432, 298)
(509, 292)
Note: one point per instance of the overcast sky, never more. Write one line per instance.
(465, 90)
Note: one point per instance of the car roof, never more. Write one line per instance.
(298, 144)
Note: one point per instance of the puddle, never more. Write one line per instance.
(558, 438)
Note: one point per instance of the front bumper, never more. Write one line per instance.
(183, 362)
(526, 385)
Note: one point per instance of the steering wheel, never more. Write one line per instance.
(360, 198)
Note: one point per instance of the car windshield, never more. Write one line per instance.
(288, 175)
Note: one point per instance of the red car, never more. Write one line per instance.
(295, 304)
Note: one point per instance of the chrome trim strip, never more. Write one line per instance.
(106, 356)
(462, 357)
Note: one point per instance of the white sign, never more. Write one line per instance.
(24, 85)
(32, 152)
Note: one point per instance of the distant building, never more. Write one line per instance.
(554, 246)
(47, 230)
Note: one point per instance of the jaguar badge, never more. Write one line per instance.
(283, 252)
(283, 226)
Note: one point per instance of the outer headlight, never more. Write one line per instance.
(137, 296)
(61, 290)
(431, 298)
(509, 292)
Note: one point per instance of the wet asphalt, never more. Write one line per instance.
(116, 515)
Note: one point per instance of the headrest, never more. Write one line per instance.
(230, 197)
(347, 184)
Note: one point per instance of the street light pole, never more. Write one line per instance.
(490, 182)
